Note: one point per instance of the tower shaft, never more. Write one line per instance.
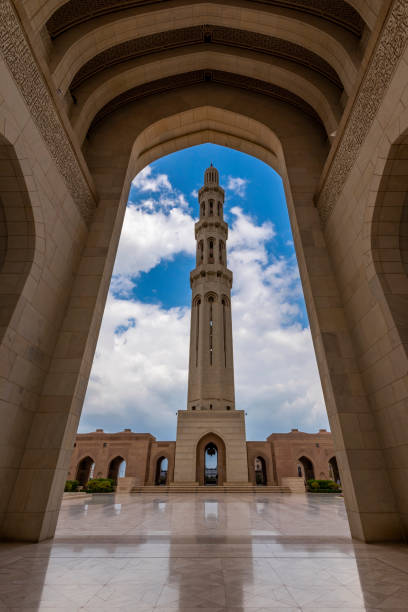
(211, 365)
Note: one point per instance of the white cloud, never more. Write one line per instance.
(237, 185)
(139, 376)
(156, 227)
(145, 181)
(147, 239)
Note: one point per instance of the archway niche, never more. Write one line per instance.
(211, 460)
(17, 233)
(115, 468)
(85, 470)
(162, 471)
(260, 471)
(334, 470)
(307, 468)
(386, 357)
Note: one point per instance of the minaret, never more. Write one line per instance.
(211, 424)
(211, 365)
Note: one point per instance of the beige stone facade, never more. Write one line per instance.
(142, 454)
(90, 94)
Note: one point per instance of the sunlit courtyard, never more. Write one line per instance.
(210, 552)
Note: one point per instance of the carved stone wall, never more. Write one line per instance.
(17, 54)
(389, 49)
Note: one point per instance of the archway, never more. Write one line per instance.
(334, 470)
(75, 341)
(307, 469)
(115, 468)
(162, 471)
(211, 460)
(85, 470)
(260, 471)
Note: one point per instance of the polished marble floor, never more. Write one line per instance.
(207, 552)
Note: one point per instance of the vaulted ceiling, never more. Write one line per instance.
(103, 54)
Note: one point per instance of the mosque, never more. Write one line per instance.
(211, 447)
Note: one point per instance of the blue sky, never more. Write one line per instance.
(139, 375)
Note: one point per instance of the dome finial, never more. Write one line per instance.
(211, 176)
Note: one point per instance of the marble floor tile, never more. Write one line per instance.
(158, 553)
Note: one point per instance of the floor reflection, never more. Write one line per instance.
(218, 552)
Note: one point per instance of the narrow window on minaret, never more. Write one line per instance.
(200, 252)
(211, 208)
(211, 253)
(211, 301)
(219, 209)
(224, 318)
(197, 329)
(203, 210)
(221, 251)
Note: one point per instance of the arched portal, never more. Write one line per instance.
(85, 470)
(334, 470)
(162, 471)
(260, 471)
(307, 469)
(115, 468)
(211, 460)
(253, 87)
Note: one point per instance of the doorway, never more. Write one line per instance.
(306, 469)
(260, 471)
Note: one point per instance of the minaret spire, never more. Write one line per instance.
(211, 366)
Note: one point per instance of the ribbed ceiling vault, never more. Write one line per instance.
(75, 12)
(207, 35)
(103, 54)
(205, 76)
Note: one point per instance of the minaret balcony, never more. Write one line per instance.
(211, 272)
(212, 188)
(211, 222)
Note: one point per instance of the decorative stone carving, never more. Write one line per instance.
(390, 47)
(75, 12)
(201, 76)
(205, 34)
(24, 70)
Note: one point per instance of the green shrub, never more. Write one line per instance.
(322, 486)
(100, 485)
(333, 485)
(71, 486)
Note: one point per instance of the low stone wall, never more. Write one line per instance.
(295, 484)
(126, 484)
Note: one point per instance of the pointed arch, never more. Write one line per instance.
(307, 468)
(259, 467)
(334, 470)
(214, 439)
(115, 467)
(84, 470)
(162, 471)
